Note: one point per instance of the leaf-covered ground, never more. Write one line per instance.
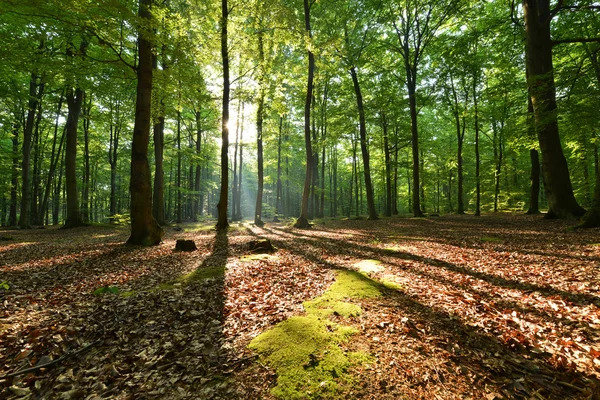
(502, 306)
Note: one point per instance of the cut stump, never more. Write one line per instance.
(185, 245)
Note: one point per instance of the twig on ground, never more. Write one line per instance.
(51, 363)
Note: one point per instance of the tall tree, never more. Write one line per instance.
(222, 205)
(416, 25)
(144, 228)
(557, 181)
(302, 221)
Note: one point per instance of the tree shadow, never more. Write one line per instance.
(516, 372)
(157, 342)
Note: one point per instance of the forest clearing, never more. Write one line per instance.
(452, 307)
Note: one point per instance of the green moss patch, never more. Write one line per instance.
(198, 275)
(490, 239)
(305, 350)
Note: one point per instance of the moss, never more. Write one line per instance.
(392, 285)
(305, 350)
(490, 239)
(201, 274)
(128, 293)
(198, 275)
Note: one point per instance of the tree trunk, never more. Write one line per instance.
(557, 182)
(34, 97)
(259, 131)
(477, 154)
(364, 146)
(302, 221)
(85, 212)
(74, 103)
(14, 182)
(179, 188)
(279, 188)
(222, 205)
(113, 152)
(198, 205)
(388, 167)
(54, 158)
(412, 99)
(144, 228)
(158, 136)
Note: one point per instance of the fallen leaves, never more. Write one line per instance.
(496, 307)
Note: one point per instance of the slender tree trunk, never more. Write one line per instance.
(87, 107)
(54, 158)
(34, 97)
(234, 189)
(388, 167)
(412, 99)
(477, 154)
(113, 152)
(74, 102)
(144, 228)
(222, 205)
(14, 182)
(37, 159)
(58, 185)
(158, 136)
(279, 188)
(557, 182)
(259, 131)
(364, 146)
(179, 188)
(197, 206)
(302, 221)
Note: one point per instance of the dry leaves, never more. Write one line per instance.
(492, 307)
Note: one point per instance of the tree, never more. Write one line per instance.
(416, 24)
(222, 205)
(557, 181)
(144, 228)
(302, 221)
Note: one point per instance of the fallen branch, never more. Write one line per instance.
(51, 363)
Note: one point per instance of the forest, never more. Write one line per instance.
(407, 191)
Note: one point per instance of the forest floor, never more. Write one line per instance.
(496, 307)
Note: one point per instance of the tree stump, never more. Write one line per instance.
(185, 245)
(261, 246)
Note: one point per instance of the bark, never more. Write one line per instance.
(74, 104)
(234, 191)
(34, 97)
(198, 205)
(364, 146)
(54, 158)
(179, 188)
(557, 182)
(534, 188)
(144, 228)
(388, 167)
(592, 218)
(411, 85)
(37, 159)
(113, 152)
(14, 182)
(158, 136)
(302, 221)
(477, 154)
(222, 205)
(85, 212)
(279, 188)
(259, 131)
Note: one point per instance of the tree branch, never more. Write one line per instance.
(576, 40)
